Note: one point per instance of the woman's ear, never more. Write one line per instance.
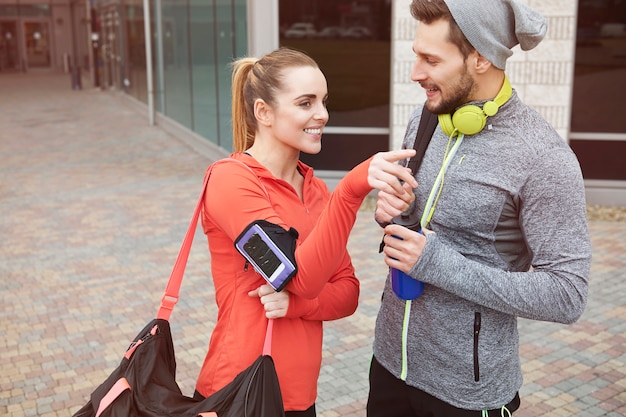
(263, 112)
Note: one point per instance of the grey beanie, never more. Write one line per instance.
(493, 27)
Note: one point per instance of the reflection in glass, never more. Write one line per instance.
(203, 67)
(229, 25)
(600, 71)
(111, 68)
(350, 40)
(194, 46)
(135, 44)
(176, 73)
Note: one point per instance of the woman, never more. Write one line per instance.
(279, 110)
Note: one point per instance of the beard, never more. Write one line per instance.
(461, 89)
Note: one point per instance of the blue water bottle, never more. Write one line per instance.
(405, 286)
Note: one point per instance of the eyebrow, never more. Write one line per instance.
(308, 96)
(427, 54)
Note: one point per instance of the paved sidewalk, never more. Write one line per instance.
(94, 205)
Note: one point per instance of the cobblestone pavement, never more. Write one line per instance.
(95, 203)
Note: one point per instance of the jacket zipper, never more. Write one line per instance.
(476, 334)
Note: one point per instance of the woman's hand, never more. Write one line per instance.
(394, 182)
(385, 174)
(275, 303)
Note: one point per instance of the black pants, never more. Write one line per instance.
(310, 412)
(392, 397)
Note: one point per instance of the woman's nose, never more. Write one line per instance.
(322, 113)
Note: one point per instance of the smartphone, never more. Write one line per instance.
(266, 257)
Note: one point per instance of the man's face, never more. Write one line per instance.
(440, 68)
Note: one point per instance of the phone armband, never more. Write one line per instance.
(271, 251)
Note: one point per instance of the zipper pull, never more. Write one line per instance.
(476, 323)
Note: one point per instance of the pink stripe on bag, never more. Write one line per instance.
(131, 349)
(116, 390)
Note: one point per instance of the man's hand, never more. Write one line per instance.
(403, 253)
(389, 206)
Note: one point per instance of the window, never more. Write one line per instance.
(598, 130)
(350, 40)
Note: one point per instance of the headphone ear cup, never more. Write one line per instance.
(469, 119)
(445, 121)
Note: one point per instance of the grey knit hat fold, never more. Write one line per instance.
(493, 27)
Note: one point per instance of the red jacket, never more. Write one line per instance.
(325, 287)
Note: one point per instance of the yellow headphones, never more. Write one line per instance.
(471, 119)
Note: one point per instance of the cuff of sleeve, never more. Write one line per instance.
(300, 306)
(355, 182)
(421, 267)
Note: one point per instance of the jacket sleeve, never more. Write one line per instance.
(554, 224)
(316, 256)
(339, 297)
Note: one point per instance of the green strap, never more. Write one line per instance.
(405, 337)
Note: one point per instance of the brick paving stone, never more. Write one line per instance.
(95, 203)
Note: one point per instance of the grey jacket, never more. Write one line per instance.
(511, 240)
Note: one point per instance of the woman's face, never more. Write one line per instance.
(300, 114)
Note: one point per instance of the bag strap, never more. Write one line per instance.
(170, 296)
(172, 290)
(425, 130)
(428, 124)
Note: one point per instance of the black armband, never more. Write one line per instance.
(271, 250)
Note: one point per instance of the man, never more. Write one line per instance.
(501, 205)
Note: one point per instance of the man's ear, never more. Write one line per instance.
(481, 64)
(263, 112)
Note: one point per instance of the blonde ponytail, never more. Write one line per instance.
(240, 110)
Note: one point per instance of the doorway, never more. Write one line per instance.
(9, 55)
(37, 44)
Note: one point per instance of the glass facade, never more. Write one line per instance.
(134, 47)
(193, 44)
(598, 134)
(351, 42)
(195, 41)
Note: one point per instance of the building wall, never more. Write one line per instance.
(61, 30)
(543, 77)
